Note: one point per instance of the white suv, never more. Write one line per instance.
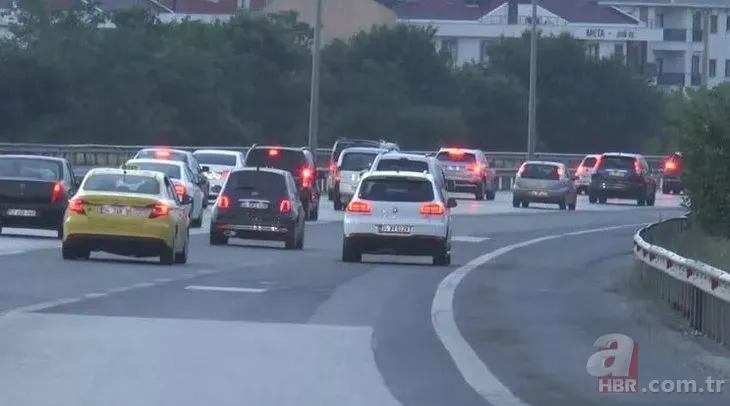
(402, 213)
(401, 161)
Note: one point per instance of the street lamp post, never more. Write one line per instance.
(531, 104)
(314, 84)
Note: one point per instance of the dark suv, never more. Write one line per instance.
(259, 204)
(622, 176)
(297, 161)
(672, 174)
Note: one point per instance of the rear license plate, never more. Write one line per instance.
(539, 193)
(123, 211)
(394, 229)
(254, 205)
(22, 213)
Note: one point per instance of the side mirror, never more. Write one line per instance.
(186, 199)
(205, 169)
(451, 203)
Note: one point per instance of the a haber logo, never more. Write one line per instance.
(615, 364)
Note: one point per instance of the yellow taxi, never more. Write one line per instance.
(127, 212)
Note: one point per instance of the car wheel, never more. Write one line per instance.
(290, 241)
(198, 222)
(479, 193)
(443, 258)
(315, 213)
(167, 256)
(666, 190)
(350, 253)
(337, 205)
(182, 257)
(562, 205)
(571, 206)
(217, 238)
(592, 199)
(525, 204)
(492, 192)
(515, 203)
(603, 200)
(300, 240)
(68, 253)
(330, 194)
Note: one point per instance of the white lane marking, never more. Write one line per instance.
(37, 307)
(471, 367)
(225, 289)
(468, 238)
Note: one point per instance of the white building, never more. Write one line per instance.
(660, 38)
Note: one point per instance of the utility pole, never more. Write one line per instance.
(314, 84)
(704, 70)
(531, 103)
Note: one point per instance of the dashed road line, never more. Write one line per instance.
(225, 289)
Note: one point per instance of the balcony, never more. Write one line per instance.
(670, 79)
(675, 35)
(697, 35)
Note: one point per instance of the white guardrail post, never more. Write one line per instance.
(699, 291)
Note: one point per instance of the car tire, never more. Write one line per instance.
(217, 238)
(167, 256)
(562, 206)
(666, 190)
(525, 204)
(571, 206)
(182, 257)
(300, 240)
(582, 190)
(330, 194)
(602, 200)
(515, 203)
(315, 213)
(592, 199)
(350, 253)
(479, 193)
(492, 192)
(197, 223)
(291, 240)
(338, 206)
(68, 253)
(443, 258)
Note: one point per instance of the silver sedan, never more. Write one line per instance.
(544, 182)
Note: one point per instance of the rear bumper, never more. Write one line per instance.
(399, 245)
(617, 191)
(359, 225)
(271, 231)
(48, 217)
(673, 183)
(462, 185)
(534, 196)
(120, 245)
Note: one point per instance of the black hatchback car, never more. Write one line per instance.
(622, 176)
(259, 204)
(297, 161)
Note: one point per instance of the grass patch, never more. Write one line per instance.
(687, 239)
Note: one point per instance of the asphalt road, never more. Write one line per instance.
(255, 324)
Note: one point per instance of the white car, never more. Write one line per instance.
(585, 170)
(404, 162)
(182, 178)
(401, 213)
(219, 163)
(352, 164)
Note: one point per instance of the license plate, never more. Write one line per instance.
(616, 174)
(254, 205)
(538, 193)
(122, 211)
(394, 229)
(22, 213)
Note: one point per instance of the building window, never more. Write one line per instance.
(727, 68)
(712, 68)
(451, 48)
(618, 51)
(696, 20)
(713, 24)
(593, 51)
(695, 64)
(660, 20)
(727, 24)
(484, 50)
(660, 65)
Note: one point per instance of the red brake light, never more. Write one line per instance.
(180, 189)
(670, 165)
(163, 154)
(333, 167)
(307, 173)
(285, 206)
(357, 206)
(521, 171)
(475, 168)
(76, 205)
(637, 166)
(223, 202)
(433, 209)
(159, 210)
(455, 152)
(273, 152)
(57, 195)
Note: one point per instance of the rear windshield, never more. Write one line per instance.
(284, 159)
(405, 165)
(466, 157)
(256, 185)
(396, 190)
(162, 154)
(357, 161)
(341, 145)
(208, 158)
(547, 172)
(41, 169)
(106, 182)
(172, 171)
(589, 162)
(617, 162)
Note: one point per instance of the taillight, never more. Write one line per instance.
(474, 168)
(333, 167)
(223, 202)
(670, 166)
(637, 166)
(306, 173)
(581, 170)
(159, 210)
(520, 171)
(57, 194)
(180, 189)
(357, 206)
(433, 209)
(76, 205)
(224, 174)
(561, 172)
(285, 206)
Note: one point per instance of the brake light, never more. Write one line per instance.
(285, 206)
(357, 206)
(223, 202)
(520, 171)
(180, 189)
(475, 168)
(637, 166)
(561, 172)
(670, 165)
(333, 167)
(162, 154)
(455, 152)
(581, 170)
(57, 194)
(307, 173)
(433, 209)
(273, 152)
(159, 210)
(76, 205)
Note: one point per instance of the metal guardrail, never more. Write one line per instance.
(699, 291)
